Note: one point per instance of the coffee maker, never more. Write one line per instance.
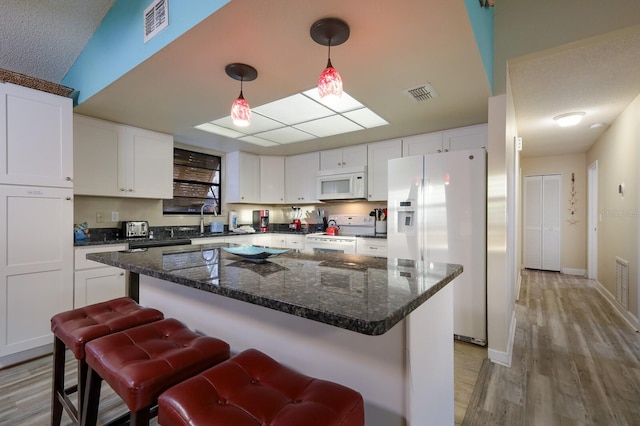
(261, 220)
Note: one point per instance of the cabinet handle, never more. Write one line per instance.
(122, 189)
(130, 189)
(446, 150)
(121, 273)
(68, 198)
(439, 150)
(68, 178)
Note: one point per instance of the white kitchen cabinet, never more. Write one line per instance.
(300, 178)
(121, 161)
(95, 282)
(294, 241)
(371, 246)
(242, 177)
(208, 240)
(427, 143)
(338, 158)
(36, 144)
(36, 264)
(271, 179)
(469, 137)
(146, 163)
(378, 155)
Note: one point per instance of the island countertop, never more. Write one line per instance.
(368, 295)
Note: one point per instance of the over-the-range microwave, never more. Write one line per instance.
(347, 183)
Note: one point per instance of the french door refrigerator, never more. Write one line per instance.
(437, 208)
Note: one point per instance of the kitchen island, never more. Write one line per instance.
(381, 326)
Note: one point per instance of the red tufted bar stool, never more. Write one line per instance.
(252, 389)
(142, 362)
(73, 329)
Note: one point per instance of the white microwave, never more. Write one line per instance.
(348, 183)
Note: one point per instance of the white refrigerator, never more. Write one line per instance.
(437, 209)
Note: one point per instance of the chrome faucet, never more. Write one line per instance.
(202, 216)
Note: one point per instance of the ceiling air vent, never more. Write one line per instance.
(156, 18)
(424, 92)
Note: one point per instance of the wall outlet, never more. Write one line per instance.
(99, 217)
(115, 217)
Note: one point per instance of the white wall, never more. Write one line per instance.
(617, 153)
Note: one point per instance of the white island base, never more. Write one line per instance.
(405, 375)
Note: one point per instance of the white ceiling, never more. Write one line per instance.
(393, 46)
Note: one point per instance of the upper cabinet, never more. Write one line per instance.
(300, 178)
(378, 155)
(121, 161)
(469, 137)
(271, 179)
(35, 138)
(242, 177)
(349, 156)
(428, 143)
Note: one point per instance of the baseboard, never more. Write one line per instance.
(500, 357)
(17, 358)
(573, 271)
(518, 284)
(626, 315)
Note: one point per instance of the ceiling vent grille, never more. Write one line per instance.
(156, 18)
(421, 93)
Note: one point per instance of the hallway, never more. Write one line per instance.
(575, 361)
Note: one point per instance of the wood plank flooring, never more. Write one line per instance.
(575, 361)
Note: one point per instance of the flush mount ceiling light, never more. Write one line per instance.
(240, 110)
(329, 32)
(569, 119)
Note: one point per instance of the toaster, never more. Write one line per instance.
(135, 228)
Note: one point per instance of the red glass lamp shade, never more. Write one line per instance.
(330, 82)
(241, 112)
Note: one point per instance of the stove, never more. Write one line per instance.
(345, 241)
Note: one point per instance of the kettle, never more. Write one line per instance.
(333, 228)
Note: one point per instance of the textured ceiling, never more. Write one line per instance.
(42, 38)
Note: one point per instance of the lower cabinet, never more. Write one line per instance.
(294, 241)
(371, 246)
(94, 282)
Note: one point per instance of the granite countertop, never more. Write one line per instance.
(368, 295)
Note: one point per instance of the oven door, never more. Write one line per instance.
(325, 242)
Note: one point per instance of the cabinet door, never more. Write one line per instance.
(36, 140)
(36, 264)
(469, 137)
(331, 159)
(146, 160)
(271, 179)
(371, 247)
(98, 285)
(379, 153)
(300, 177)
(242, 177)
(428, 143)
(294, 241)
(353, 156)
(95, 157)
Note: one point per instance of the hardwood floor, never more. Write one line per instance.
(575, 361)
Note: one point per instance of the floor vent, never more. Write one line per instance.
(156, 18)
(424, 92)
(622, 282)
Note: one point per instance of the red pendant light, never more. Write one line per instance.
(330, 32)
(240, 110)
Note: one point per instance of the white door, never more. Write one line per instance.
(542, 222)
